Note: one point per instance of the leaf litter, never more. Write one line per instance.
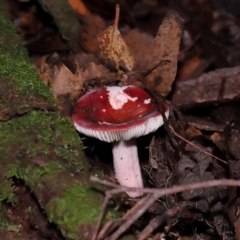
(112, 46)
(171, 161)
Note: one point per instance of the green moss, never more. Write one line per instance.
(37, 146)
(39, 137)
(41, 148)
(7, 192)
(77, 205)
(4, 223)
(33, 175)
(14, 64)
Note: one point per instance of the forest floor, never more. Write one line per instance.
(200, 82)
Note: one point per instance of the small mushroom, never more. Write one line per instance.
(119, 115)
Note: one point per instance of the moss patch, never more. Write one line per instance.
(74, 208)
(40, 136)
(45, 152)
(14, 64)
(37, 144)
(7, 192)
(3, 222)
(40, 147)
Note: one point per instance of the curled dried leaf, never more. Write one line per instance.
(113, 46)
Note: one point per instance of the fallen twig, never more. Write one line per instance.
(115, 224)
(194, 145)
(153, 195)
(160, 219)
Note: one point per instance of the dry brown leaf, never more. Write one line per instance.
(140, 45)
(92, 71)
(66, 83)
(93, 26)
(165, 55)
(112, 46)
(79, 7)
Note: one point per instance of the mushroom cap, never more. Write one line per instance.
(117, 113)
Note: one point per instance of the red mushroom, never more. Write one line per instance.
(120, 115)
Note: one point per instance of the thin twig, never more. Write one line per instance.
(103, 207)
(160, 99)
(129, 213)
(149, 201)
(158, 193)
(194, 145)
(108, 195)
(172, 190)
(104, 182)
(160, 219)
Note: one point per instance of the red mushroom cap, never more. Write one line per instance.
(115, 113)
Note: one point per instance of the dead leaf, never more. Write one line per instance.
(140, 45)
(66, 83)
(159, 172)
(93, 26)
(79, 7)
(165, 55)
(188, 172)
(93, 71)
(112, 46)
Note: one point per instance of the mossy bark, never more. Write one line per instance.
(39, 145)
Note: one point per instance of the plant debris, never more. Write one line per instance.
(163, 60)
(182, 52)
(112, 46)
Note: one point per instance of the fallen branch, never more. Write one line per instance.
(153, 195)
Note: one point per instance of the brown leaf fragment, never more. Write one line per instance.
(93, 26)
(112, 46)
(194, 167)
(165, 54)
(140, 45)
(79, 7)
(154, 152)
(66, 83)
(219, 140)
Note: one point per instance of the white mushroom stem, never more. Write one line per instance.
(126, 165)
